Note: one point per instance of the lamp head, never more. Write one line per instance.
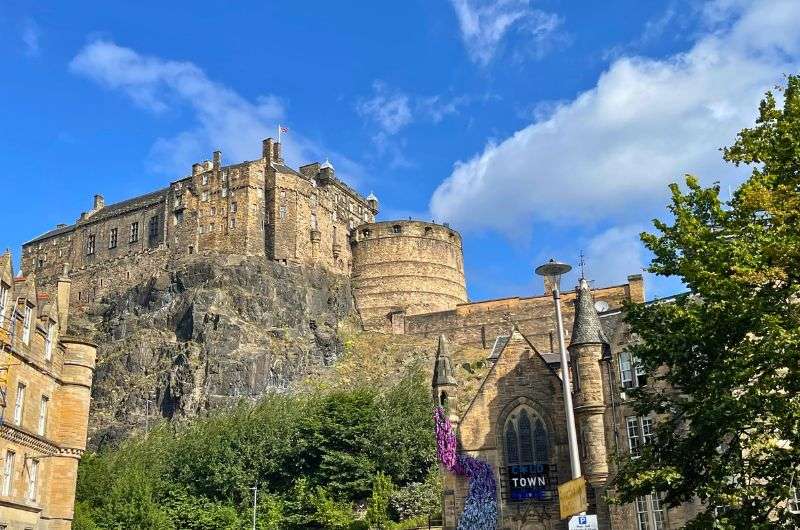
(552, 272)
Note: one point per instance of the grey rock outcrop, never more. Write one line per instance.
(209, 331)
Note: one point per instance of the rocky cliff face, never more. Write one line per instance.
(205, 332)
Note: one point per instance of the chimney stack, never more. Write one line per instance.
(267, 149)
(217, 159)
(99, 202)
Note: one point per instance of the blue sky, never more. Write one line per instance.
(537, 128)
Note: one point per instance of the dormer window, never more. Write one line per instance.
(27, 320)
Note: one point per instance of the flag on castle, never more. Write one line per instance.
(282, 130)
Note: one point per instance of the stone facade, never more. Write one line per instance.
(404, 268)
(255, 208)
(45, 384)
(525, 380)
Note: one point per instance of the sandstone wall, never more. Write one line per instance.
(408, 266)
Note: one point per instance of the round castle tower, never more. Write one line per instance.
(405, 268)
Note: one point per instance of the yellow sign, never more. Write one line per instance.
(572, 497)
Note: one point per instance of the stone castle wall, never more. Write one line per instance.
(406, 267)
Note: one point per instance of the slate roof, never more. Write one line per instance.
(108, 211)
(586, 328)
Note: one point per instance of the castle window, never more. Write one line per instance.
(134, 235)
(224, 192)
(232, 222)
(213, 210)
(314, 224)
(428, 230)
(233, 207)
(526, 439)
(90, 245)
(365, 232)
(152, 228)
(191, 249)
(397, 229)
(204, 196)
(283, 212)
(211, 229)
(39, 263)
(112, 238)
(178, 218)
(283, 195)
(205, 178)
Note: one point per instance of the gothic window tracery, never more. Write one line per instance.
(525, 438)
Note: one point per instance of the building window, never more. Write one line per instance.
(19, 404)
(213, 210)
(334, 234)
(90, 245)
(27, 321)
(178, 218)
(233, 207)
(204, 196)
(232, 222)
(112, 238)
(365, 232)
(43, 415)
(640, 432)
(8, 472)
(224, 192)
(283, 212)
(224, 175)
(314, 224)
(631, 372)
(39, 263)
(283, 195)
(134, 235)
(794, 502)
(211, 229)
(397, 229)
(205, 178)
(48, 340)
(33, 477)
(3, 298)
(152, 228)
(650, 513)
(525, 439)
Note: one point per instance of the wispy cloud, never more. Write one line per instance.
(389, 109)
(31, 34)
(485, 24)
(222, 118)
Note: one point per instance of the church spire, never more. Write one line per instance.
(443, 368)
(586, 328)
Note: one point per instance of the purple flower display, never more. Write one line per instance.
(480, 507)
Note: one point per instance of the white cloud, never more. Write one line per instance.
(609, 153)
(30, 37)
(389, 109)
(613, 254)
(484, 25)
(222, 118)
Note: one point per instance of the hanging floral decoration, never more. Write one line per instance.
(480, 508)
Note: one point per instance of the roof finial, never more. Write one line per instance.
(583, 266)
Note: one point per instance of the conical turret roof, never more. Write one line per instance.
(586, 328)
(443, 368)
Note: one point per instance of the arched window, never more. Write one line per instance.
(512, 453)
(525, 438)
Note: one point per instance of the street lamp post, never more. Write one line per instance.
(552, 271)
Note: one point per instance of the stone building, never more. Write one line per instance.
(516, 420)
(256, 208)
(45, 383)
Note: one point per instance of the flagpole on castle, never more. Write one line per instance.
(279, 133)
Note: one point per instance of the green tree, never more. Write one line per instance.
(378, 508)
(724, 363)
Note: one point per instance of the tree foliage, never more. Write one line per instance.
(314, 458)
(724, 362)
